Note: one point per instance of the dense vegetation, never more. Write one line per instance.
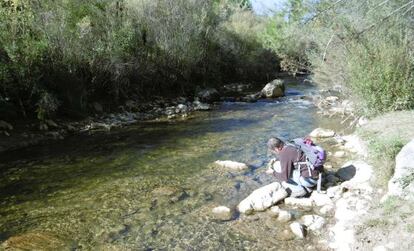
(365, 46)
(64, 55)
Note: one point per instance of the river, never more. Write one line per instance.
(151, 186)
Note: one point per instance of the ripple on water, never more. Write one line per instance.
(153, 185)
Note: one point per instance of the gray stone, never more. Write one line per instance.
(274, 89)
(402, 182)
(208, 95)
(198, 106)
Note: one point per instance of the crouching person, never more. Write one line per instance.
(299, 166)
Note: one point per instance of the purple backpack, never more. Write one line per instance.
(315, 155)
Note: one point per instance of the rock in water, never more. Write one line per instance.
(274, 89)
(36, 241)
(222, 213)
(321, 199)
(284, 216)
(208, 95)
(231, 164)
(262, 198)
(322, 133)
(298, 229)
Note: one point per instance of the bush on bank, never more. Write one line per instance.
(366, 47)
(64, 55)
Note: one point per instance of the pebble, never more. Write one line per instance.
(298, 229)
(284, 216)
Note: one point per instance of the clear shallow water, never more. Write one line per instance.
(153, 185)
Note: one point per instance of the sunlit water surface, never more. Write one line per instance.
(152, 186)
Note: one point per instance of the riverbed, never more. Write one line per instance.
(152, 185)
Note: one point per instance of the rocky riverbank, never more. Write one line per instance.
(24, 134)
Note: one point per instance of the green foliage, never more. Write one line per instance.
(83, 51)
(365, 47)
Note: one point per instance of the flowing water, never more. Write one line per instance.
(152, 185)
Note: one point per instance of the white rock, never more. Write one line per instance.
(334, 192)
(300, 202)
(343, 213)
(298, 229)
(332, 98)
(322, 133)
(263, 198)
(321, 199)
(362, 121)
(284, 216)
(313, 222)
(231, 164)
(274, 211)
(222, 213)
(327, 209)
(355, 172)
(379, 248)
(354, 144)
(339, 154)
(402, 182)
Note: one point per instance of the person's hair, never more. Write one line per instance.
(274, 142)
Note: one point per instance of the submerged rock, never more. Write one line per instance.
(274, 211)
(284, 216)
(274, 89)
(231, 164)
(262, 198)
(37, 241)
(222, 213)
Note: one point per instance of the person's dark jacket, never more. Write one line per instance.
(288, 156)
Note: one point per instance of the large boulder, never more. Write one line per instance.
(355, 172)
(262, 198)
(402, 183)
(274, 89)
(208, 95)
